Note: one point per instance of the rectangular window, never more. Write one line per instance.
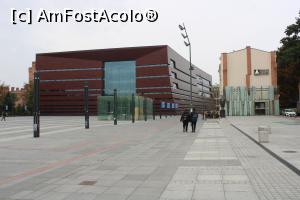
(120, 75)
(173, 63)
(259, 72)
(175, 86)
(174, 75)
(207, 95)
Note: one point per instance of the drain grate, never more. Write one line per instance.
(289, 151)
(88, 183)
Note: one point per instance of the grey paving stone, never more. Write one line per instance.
(78, 196)
(152, 160)
(93, 189)
(136, 177)
(129, 183)
(208, 195)
(237, 187)
(209, 187)
(155, 184)
(53, 196)
(111, 197)
(120, 190)
(148, 191)
(177, 194)
(240, 195)
(68, 188)
(144, 197)
(21, 194)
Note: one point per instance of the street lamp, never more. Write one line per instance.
(188, 44)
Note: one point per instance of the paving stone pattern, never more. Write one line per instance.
(128, 161)
(269, 178)
(215, 180)
(141, 161)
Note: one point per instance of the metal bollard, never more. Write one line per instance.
(36, 117)
(132, 108)
(115, 108)
(86, 107)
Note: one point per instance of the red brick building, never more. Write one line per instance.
(157, 72)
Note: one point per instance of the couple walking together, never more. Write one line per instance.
(187, 117)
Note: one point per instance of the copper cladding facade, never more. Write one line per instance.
(64, 74)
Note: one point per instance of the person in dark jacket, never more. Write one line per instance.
(185, 118)
(3, 116)
(194, 119)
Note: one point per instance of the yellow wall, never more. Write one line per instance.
(260, 60)
(237, 68)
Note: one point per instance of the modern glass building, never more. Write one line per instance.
(155, 72)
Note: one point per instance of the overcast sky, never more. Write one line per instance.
(214, 26)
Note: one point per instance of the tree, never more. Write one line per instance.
(9, 101)
(288, 61)
(3, 92)
(28, 96)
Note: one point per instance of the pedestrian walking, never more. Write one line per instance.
(185, 118)
(194, 119)
(3, 116)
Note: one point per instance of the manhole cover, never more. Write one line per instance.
(88, 183)
(289, 151)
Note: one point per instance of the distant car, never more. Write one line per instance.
(289, 113)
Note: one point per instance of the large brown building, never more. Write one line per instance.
(157, 72)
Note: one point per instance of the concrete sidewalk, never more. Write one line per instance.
(141, 161)
(211, 170)
(284, 140)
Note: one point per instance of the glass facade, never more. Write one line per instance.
(120, 75)
(143, 107)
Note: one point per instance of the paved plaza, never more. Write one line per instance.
(284, 139)
(146, 160)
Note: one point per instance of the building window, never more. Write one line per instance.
(120, 75)
(259, 72)
(206, 89)
(174, 75)
(175, 86)
(200, 80)
(206, 82)
(207, 95)
(173, 63)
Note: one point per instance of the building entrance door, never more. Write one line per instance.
(260, 108)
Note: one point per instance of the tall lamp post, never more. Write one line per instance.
(188, 44)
